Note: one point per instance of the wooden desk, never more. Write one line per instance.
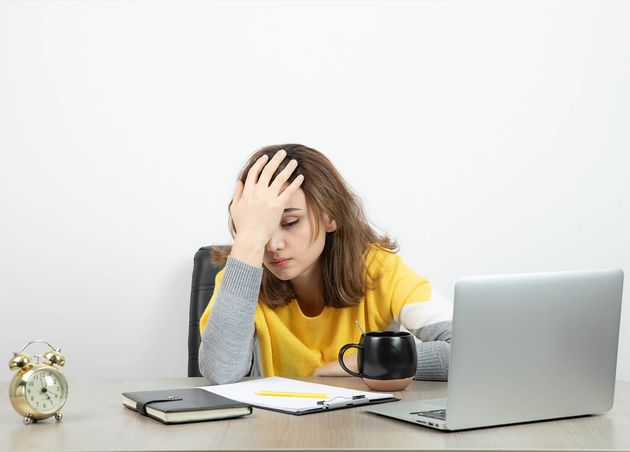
(94, 419)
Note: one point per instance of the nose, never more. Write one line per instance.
(276, 242)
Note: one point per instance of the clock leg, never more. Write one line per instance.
(28, 420)
(58, 416)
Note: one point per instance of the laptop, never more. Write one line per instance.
(526, 347)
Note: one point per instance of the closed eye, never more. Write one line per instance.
(290, 225)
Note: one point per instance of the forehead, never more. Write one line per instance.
(297, 200)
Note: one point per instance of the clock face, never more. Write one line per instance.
(46, 390)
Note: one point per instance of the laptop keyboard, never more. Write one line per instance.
(434, 414)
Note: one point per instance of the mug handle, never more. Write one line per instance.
(342, 351)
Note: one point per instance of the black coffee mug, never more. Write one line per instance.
(384, 355)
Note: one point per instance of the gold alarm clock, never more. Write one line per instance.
(38, 390)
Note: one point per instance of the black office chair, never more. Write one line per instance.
(201, 291)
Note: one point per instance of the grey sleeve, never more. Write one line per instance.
(226, 351)
(433, 351)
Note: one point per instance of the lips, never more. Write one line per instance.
(280, 262)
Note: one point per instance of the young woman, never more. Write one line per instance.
(305, 266)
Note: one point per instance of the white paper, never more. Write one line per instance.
(245, 391)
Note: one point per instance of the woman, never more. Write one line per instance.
(305, 266)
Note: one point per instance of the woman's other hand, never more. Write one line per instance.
(333, 369)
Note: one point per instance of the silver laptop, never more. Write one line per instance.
(526, 347)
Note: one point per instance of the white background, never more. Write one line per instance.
(487, 137)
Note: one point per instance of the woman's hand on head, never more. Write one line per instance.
(257, 205)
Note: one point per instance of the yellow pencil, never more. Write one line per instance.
(311, 395)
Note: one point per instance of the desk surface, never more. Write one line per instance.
(94, 419)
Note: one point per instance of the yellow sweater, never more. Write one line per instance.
(292, 344)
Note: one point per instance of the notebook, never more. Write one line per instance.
(333, 396)
(176, 406)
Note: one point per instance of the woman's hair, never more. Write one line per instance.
(342, 262)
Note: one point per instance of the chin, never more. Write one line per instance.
(281, 275)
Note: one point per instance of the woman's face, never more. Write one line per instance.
(290, 252)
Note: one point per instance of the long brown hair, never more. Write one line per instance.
(342, 262)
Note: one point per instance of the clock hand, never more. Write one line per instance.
(45, 387)
(44, 391)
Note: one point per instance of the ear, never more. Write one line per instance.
(329, 225)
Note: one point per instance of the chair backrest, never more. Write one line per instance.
(204, 273)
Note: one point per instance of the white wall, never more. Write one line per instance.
(486, 136)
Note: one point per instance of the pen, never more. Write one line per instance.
(311, 395)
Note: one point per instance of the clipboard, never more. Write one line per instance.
(338, 398)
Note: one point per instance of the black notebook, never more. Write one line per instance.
(175, 406)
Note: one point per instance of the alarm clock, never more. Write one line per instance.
(38, 390)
